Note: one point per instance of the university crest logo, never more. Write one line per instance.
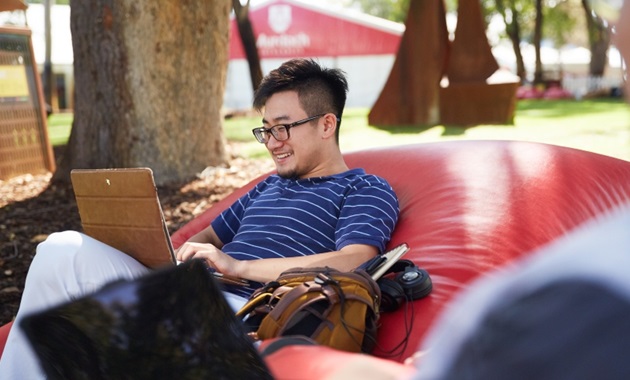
(279, 17)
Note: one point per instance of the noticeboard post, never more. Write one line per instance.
(24, 144)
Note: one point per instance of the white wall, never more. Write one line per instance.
(366, 77)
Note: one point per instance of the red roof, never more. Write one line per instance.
(290, 28)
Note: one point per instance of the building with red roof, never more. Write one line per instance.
(363, 46)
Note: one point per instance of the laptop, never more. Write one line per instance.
(121, 208)
(172, 323)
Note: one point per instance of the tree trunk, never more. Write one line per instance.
(599, 41)
(538, 71)
(599, 55)
(48, 80)
(149, 84)
(513, 30)
(248, 39)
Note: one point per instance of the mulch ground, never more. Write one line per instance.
(31, 209)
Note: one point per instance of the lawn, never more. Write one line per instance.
(59, 125)
(598, 125)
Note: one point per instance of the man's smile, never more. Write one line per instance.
(281, 156)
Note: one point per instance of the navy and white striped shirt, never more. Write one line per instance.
(286, 217)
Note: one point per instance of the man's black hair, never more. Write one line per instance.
(319, 89)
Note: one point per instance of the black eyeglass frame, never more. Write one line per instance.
(258, 132)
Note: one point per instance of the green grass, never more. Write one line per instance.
(59, 128)
(600, 125)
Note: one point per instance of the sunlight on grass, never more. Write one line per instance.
(59, 128)
(601, 126)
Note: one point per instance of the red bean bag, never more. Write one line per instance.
(466, 207)
(4, 334)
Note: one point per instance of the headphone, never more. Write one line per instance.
(409, 283)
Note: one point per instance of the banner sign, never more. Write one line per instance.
(285, 29)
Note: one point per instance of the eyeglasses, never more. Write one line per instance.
(280, 132)
(608, 10)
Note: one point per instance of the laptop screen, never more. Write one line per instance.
(172, 323)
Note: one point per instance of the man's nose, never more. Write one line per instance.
(272, 142)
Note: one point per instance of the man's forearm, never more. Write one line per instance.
(346, 259)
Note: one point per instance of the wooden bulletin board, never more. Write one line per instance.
(24, 144)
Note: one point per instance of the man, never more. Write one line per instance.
(302, 112)
(314, 212)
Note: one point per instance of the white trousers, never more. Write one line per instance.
(67, 265)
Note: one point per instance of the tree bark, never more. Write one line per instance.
(599, 42)
(149, 84)
(48, 80)
(513, 30)
(248, 39)
(538, 71)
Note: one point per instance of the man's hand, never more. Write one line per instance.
(215, 258)
(265, 270)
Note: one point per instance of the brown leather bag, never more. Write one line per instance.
(336, 309)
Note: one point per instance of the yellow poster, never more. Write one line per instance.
(13, 81)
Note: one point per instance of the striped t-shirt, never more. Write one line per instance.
(286, 217)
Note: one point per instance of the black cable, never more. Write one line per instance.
(400, 348)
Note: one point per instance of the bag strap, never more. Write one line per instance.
(251, 304)
(298, 292)
(315, 278)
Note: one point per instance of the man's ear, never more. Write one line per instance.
(330, 125)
